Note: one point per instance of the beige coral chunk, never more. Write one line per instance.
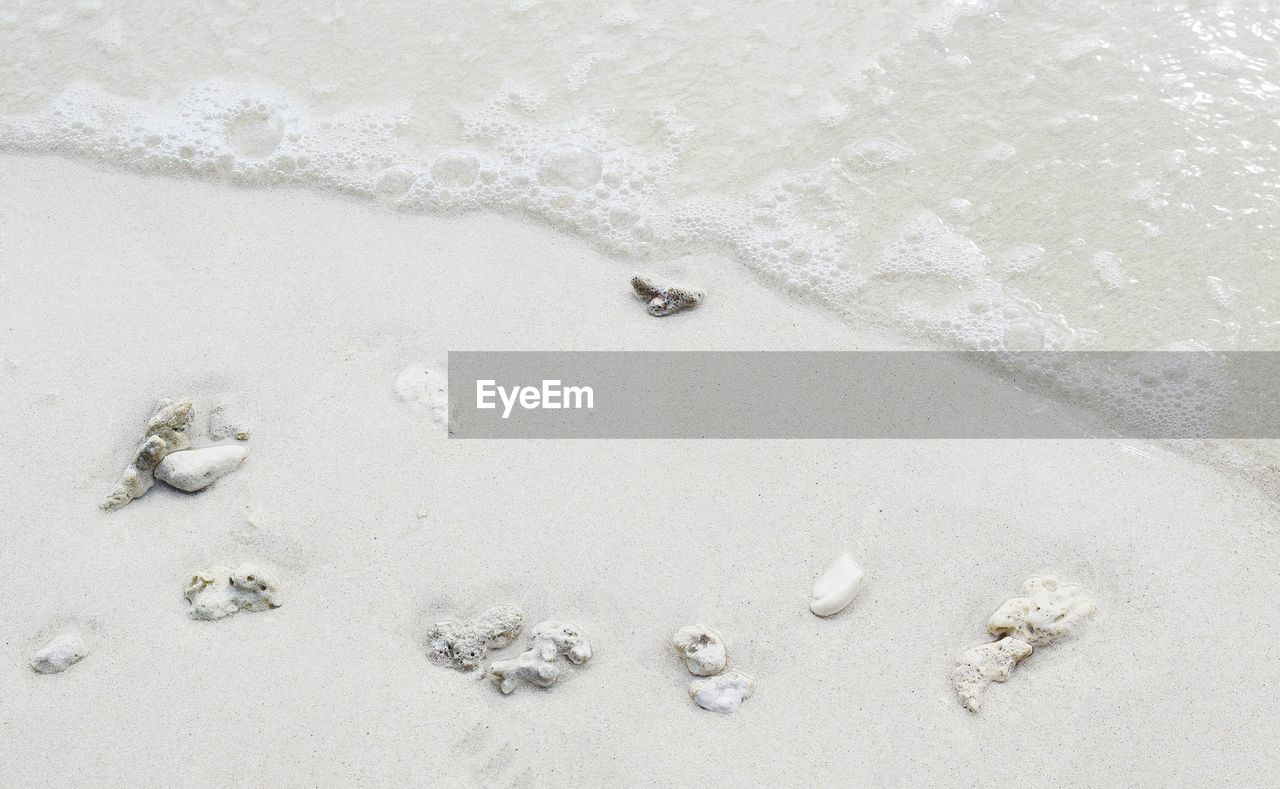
(979, 666)
(220, 591)
(464, 644)
(1048, 611)
(138, 477)
(527, 667)
(170, 422)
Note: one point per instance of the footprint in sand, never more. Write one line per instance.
(490, 751)
(425, 390)
(59, 654)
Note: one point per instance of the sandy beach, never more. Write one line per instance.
(252, 536)
(117, 289)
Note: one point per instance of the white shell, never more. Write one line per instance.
(836, 587)
(59, 654)
(723, 693)
(196, 469)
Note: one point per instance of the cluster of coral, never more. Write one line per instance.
(464, 644)
(1047, 611)
(166, 454)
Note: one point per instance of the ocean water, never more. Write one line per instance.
(977, 174)
(965, 173)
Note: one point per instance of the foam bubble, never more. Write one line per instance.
(455, 169)
(941, 21)
(255, 132)
(1022, 258)
(1079, 47)
(1221, 293)
(1108, 270)
(569, 166)
(873, 154)
(110, 35)
(926, 246)
(622, 16)
(395, 181)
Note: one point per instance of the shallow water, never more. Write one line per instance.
(1041, 175)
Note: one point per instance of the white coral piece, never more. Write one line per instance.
(463, 645)
(979, 666)
(1049, 610)
(138, 477)
(723, 693)
(220, 591)
(529, 666)
(538, 664)
(701, 648)
(565, 639)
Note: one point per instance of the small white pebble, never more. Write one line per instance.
(723, 693)
(195, 469)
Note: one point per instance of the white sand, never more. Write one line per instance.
(116, 290)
